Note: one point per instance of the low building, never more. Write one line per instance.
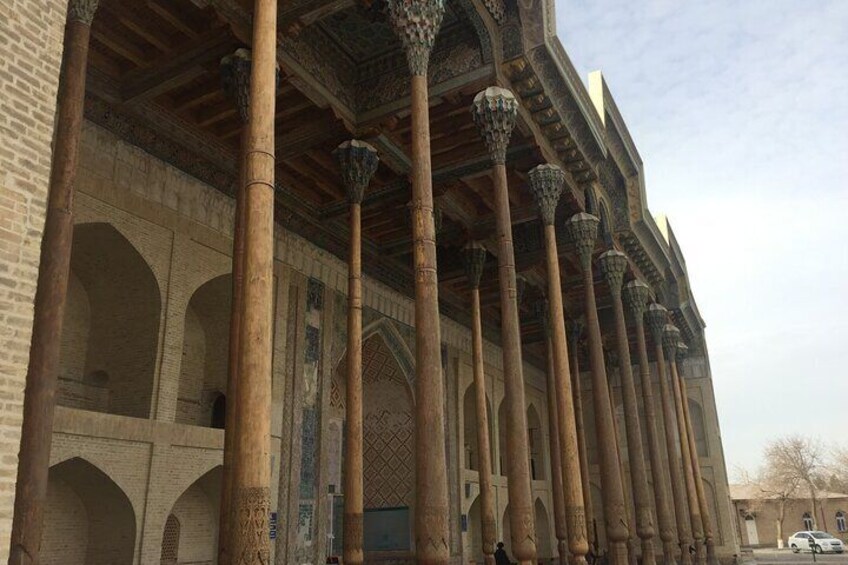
(757, 515)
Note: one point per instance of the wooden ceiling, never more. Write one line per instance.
(156, 63)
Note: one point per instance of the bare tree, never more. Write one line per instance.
(796, 460)
(771, 486)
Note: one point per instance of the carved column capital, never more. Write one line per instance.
(416, 23)
(636, 294)
(521, 285)
(657, 318)
(357, 162)
(82, 11)
(670, 339)
(582, 228)
(494, 111)
(575, 328)
(546, 184)
(680, 354)
(474, 255)
(613, 265)
(235, 79)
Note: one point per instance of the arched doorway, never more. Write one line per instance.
(191, 530)
(204, 364)
(388, 447)
(469, 414)
(475, 532)
(544, 547)
(110, 331)
(88, 519)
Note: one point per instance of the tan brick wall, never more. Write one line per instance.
(31, 34)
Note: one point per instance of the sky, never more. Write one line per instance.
(739, 109)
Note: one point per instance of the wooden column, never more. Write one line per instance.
(251, 488)
(583, 230)
(51, 293)
(657, 317)
(494, 111)
(235, 76)
(546, 183)
(706, 516)
(475, 259)
(417, 22)
(614, 265)
(575, 330)
(671, 337)
(636, 294)
(357, 161)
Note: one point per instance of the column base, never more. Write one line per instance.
(685, 556)
(668, 557)
(618, 554)
(648, 557)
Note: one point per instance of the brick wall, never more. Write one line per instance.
(31, 34)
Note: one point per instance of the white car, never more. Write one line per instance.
(820, 542)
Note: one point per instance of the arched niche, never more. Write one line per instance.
(206, 339)
(696, 415)
(502, 454)
(535, 444)
(475, 531)
(196, 514)
(88, 518)
(109, 342)
(388, 440)
(469, 432)
(545, 547)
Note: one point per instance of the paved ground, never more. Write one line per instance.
(786, 557)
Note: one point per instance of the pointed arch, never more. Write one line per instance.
(109, 351)
(475, 531)
(387, 330)
(696, 415)
(206, 339)
(545, 549)
(89, 520)
(535, 442)
(469, 414)
(196, 514)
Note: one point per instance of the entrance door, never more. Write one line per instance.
(751, 528)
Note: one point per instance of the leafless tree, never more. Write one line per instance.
(796, 460)
(768, 486)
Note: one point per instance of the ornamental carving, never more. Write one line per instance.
(357, 162)
(670, 339)
(235, 80)
(252, 508)
(636, 294)
(681, 353)
(494, 111)
(520, 289)
(582, 229)
(82, 11)
(657, 318)
(613, 266)
(540, 310)
(416, 22)
(474, 259)
(546, 184)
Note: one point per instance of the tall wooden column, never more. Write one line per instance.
(494, 111)
(235, 78)
(417, 22)
(546, 184)
(657, 317)
(671, 337)
(357, 161)
(475, 260)
(251, 489)
(613, 265)
(583, 230)
(51, 293)
(706, 515)
(636, 294)
(576, 326)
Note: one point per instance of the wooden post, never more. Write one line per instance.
(576, 326)
(546, 183)
(706, 516)
(494, 111)
(475, 259)
(657, 317)
(636, 295)
(51, 293)
(613, 265)
(251, 489)
(417, 22)
(671, 337)
(235, 76)
(583, 229)
(358, 161)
